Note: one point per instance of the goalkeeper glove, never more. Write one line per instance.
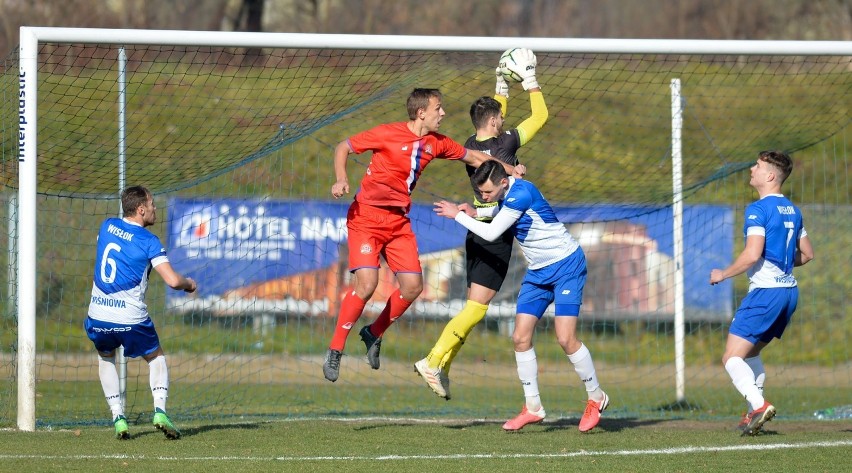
(502, 87)
(524, 67)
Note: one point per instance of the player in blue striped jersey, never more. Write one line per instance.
(556, 274)
(118, 315)
(775, 242)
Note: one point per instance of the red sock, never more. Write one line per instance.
(393, 310)
(351, 308)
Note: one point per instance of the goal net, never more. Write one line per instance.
(234, 134)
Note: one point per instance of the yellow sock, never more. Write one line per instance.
(449, 357)
(454, 335)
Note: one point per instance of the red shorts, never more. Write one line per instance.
(381, 230)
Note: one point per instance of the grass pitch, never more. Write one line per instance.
(417, 445)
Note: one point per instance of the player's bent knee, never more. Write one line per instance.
(409, 289)
(365, 290)
(410, 293)
(364, 294)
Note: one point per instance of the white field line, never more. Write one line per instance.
(486, 456)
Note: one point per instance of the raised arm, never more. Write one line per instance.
(523, 66)
(538, 116)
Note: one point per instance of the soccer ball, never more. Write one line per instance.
(506, 59)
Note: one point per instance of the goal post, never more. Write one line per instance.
(612, 198)
(677, 236)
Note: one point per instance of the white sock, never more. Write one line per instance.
(585, 368)
(108, 374)
(743, 378)
(756, 365)
(159, 380)
(528, 374)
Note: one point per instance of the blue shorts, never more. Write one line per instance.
(562, 282)
(765, 313)
(138, 339)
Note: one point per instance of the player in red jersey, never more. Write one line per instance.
(378, 220)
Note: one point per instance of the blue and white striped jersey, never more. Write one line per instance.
(126, 254)
(542, 237)
(780, 222)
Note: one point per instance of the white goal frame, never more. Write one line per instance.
(32, 37)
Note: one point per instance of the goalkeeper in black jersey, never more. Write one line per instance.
(487, 262)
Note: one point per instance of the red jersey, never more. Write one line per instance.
(399, 156)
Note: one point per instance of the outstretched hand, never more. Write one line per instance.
(446, 209)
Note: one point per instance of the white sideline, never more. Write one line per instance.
(579, 453)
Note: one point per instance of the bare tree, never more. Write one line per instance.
(250, 18)
(173, 15)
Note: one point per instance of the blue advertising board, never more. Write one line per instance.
(228, 244)
(225, 244)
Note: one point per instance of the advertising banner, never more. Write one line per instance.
(290, 257)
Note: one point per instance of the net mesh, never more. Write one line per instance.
(221, 136)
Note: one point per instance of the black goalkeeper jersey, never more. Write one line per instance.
(502, 147)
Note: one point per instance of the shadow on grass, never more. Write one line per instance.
(679, 406)
(763, 432)
(191, 431)
(607, 425)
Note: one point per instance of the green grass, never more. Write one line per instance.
(405, 445)
(80, 403)
(625, 342)
(220, 371)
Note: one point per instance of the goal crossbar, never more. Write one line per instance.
(431, 43)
